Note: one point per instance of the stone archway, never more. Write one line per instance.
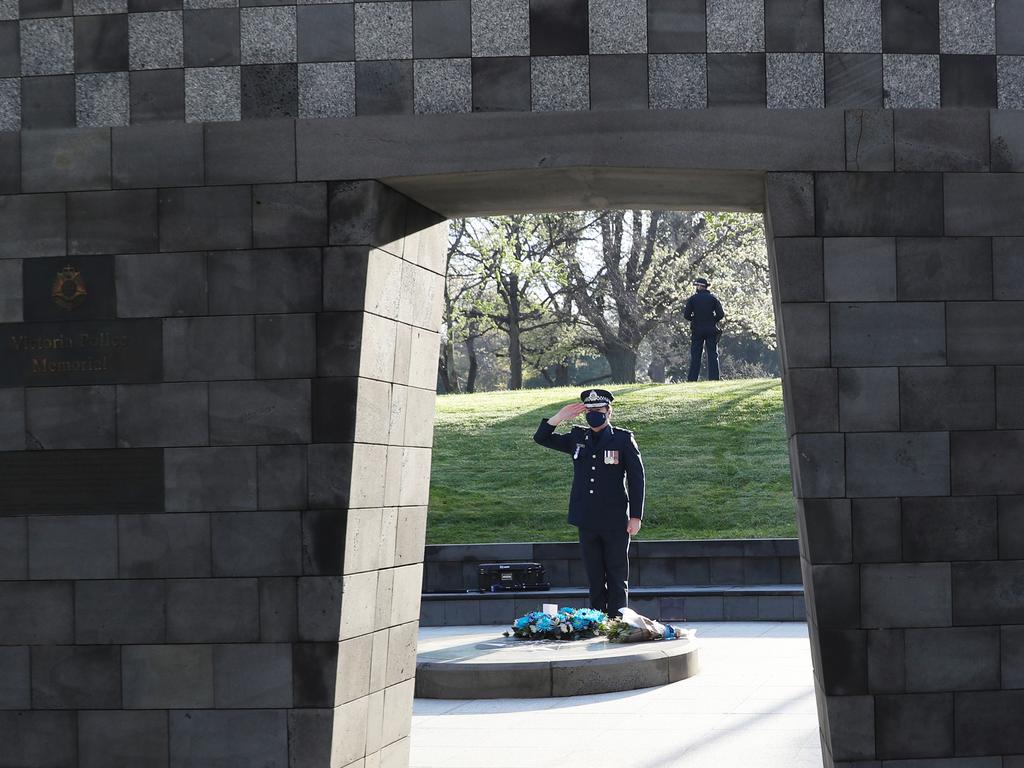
(239, 417)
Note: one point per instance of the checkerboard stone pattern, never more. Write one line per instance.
(252, 598)
(120, 62)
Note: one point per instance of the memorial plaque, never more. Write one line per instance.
(78, 288)
(54, 482)
(100, 352)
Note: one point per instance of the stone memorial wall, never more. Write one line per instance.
(218, 338)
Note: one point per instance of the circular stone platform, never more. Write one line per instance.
(481, 664)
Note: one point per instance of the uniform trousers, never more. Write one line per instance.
(700, 338)
(606, 559)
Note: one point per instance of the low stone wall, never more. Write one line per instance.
(453, 567)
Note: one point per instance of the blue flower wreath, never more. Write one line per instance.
(567, 624)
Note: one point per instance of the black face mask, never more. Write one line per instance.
(596, 418)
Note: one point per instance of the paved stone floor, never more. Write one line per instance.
(751, 705)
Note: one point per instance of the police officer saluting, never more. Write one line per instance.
(606, 462)
(703, 310)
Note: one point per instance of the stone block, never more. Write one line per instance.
(817, 463)
(982, 333)
(793, 25)
(805, 335)
(278, 610)
(229, 738)
(384, 87)
(315, 672)
(877, 527)
(968, 81)
(558, 29)
(401, 664)
(319, 608)
(264, 412)
(398, 711)
(854, 80)
(47, 47)
(560, 83)
(120, 612)
(76, 677)
(852, 726)
(15, 691)
(869, 399)
(876, 204)
(795, 81)
(827, 530)
(119, 739)
(10, 163)
(947, 398)
(212, 37)
(949, 528)
(935, 268)
(282, 477)
(208, 348)
(736, 608)
(157, 95)
(325, 33)
(774, 608)
(14, 548)
(987, 593)
(844, 661)
(210, 479)
(384, 31)
(983, 462)
(914, 725)
(1011, 527)
(329, 473)
(983, 204)
(327, 89)
(500, 28)
(12, 422)
(904, 333)
(256, 543)
(726, 570)
(101, 43)
(898, 464)
(161, 285)
(112, 222)
(212, 611)
(266, 281)
(986, 722)
(58, 160)
(941, 140)
(907, 595)
(952, 659)
(162, 415)
(270, 91)
(1011, 657)
(1007, 269)
(869, 139)
(837, 596)
(385, 599)
(860, 269)
(619, 81)
(155, 40)
(735, 79)
(70, 417)
(38, 739)
(250, 152)
(501, 84)
(162, 155)
(252, 676)
(799, 268)
(1007, 140)
(164, 546)
(79, 547)
(886, 660)
(288, 215)
(268, 35)
(790, 204)
(34, 225)
(285, 346)
(912, 81)
(199, 218)
(734, 25)
(442, 85)
(46, 102)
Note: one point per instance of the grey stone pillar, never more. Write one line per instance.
(215, 425)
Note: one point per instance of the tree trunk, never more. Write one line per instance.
(446, 369)
(515, 357)
(561, 374)
(656, 370)
(623, 364)
(473, 365)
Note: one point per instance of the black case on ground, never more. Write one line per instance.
(512, 577)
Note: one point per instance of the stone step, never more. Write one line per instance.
(763, 602)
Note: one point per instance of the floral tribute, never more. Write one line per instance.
(566, 624)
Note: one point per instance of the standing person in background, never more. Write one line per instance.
(703, 310)
(605, 460)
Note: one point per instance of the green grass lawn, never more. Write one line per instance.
(714, 452)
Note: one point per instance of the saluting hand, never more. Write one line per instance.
(633, 526)
(570, 411)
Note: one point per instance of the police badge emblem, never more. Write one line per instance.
(69, 289)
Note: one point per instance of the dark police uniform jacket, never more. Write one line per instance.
(703, 310)
(599, 497)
